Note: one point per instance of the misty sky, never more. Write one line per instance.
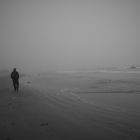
(69, 34)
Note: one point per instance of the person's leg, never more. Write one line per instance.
(14, 85)
(17, 85)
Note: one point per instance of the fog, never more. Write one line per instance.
(41, 35)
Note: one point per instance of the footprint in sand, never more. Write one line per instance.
(11, 105)
(28, 82)
(44, 124)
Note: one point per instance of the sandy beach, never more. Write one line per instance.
(78, 66)
(97, 106)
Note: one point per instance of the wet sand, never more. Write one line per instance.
(70, 107)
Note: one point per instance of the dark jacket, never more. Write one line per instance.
(15, 75)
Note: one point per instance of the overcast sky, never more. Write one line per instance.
(69, 34)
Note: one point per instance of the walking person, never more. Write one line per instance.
(15, 79)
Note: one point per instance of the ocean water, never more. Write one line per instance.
(119, 89)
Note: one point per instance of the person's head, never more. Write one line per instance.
(14, 69)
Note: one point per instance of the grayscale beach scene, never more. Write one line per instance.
(69, 70)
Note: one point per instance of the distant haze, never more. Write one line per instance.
(39, 35)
